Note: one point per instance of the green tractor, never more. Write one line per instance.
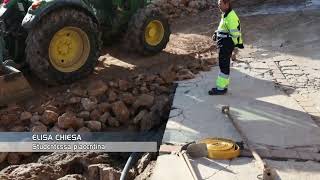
(60, 40)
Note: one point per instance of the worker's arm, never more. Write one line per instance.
(235, 31)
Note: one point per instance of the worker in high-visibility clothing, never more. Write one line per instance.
(228, 36)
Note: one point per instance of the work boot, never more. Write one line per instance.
(215, 91)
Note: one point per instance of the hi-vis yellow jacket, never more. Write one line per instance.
(230, 27)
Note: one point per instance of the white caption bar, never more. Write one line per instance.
(78, 146)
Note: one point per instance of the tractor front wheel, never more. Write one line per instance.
(148, 31)
(63, 47)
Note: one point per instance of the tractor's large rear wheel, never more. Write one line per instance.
(63, 47)
(148, 31)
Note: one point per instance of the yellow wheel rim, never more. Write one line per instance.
(219, 148)
(154, 33)
(69, 49)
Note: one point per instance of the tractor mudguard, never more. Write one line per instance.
(47, 6)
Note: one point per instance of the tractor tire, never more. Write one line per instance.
(43, 57)
(136, 38)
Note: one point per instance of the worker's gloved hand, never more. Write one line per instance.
(214, 36)
(240, 46)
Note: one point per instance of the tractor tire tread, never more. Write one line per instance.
(37, 54)
(135, 33)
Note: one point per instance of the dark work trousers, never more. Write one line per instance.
(225, 48)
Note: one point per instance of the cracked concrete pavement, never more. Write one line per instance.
(263, 110)
(270, 117)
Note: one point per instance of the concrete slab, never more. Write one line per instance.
(316, 99)
(169, 167)
(267, 115)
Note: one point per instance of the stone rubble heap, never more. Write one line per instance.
(138, 104)
(177, 8)
(73, 166)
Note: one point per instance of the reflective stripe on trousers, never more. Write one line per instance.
(222, 81)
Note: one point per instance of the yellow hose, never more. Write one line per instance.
(221, 149)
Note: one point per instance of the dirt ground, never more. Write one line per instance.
(116, 63)
(292, 33)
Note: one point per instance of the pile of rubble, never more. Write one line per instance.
(138, 103)
(77, 166)
(177, 8)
